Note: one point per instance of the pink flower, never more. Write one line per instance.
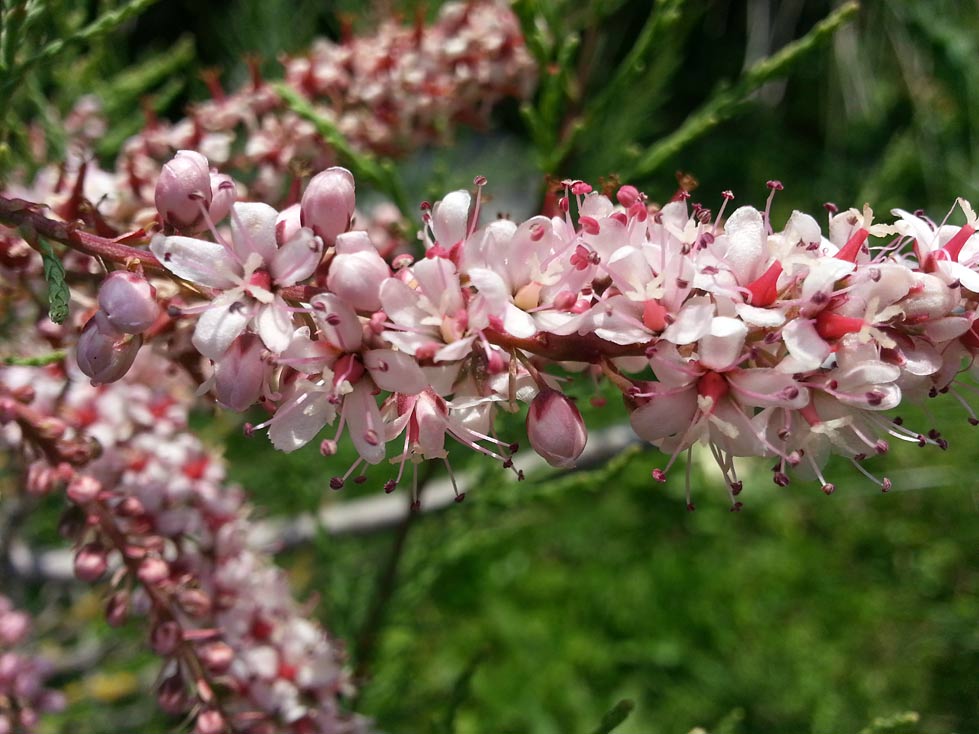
(247, 273)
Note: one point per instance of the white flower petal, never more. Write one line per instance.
(198, 261)
(395, 371)
(274, 324)
(253, 230)
(298, 420)
(221, 324)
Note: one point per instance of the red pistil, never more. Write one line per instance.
(954, 246)
(831, 326)
(712, 385)
(851, 249)
(654, 315)
(763, 290)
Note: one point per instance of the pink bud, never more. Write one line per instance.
(172, 695)
(555, 428)
(210, 721)
(91, 562)
(14, 626)
(195, 602)
(217, 656)
(83, 488)
(117, 609)
(184, 185)
(104, 353)
(129, 302)
(224, 193)
(357, 272)
(165, 637)
(328, 203)
(240, 373)
(153, 571)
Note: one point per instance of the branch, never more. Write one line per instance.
(18, 213)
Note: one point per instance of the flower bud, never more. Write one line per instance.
(153, 571)
(555, 428)
(165, 637)
(83, 488)
(184, 185)
(357, 271)
(104, 353)
(328, 203)
(91, 562)
(210, 721)
(129, 302)
(14, 626)
(117, 609)
(172, 696)
(217, 656)
(240, 373)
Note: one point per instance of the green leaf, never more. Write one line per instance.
(54, 274)
(39, 361)
(619, 713)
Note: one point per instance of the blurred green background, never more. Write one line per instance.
(535, 607)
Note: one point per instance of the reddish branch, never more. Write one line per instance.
(21, 214)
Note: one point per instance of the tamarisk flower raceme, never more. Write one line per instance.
(787, 344)
(154, 507)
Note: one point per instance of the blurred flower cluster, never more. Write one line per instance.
(153, 512)
(23, 695)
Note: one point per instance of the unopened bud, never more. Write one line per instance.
(117, 609)
(165, 637)
(83, 489)
(129, 302)
(184, 185)
(327, 205)
(217, 656)
(153, 571)
(555, 428)
(172, 695)
(104, 353)
(210, 721)
(91, 562)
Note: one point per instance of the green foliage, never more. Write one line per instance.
(54, 275)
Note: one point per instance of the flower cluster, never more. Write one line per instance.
(387, 93)
(785, 344)
(154, 507)
(23, 696)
